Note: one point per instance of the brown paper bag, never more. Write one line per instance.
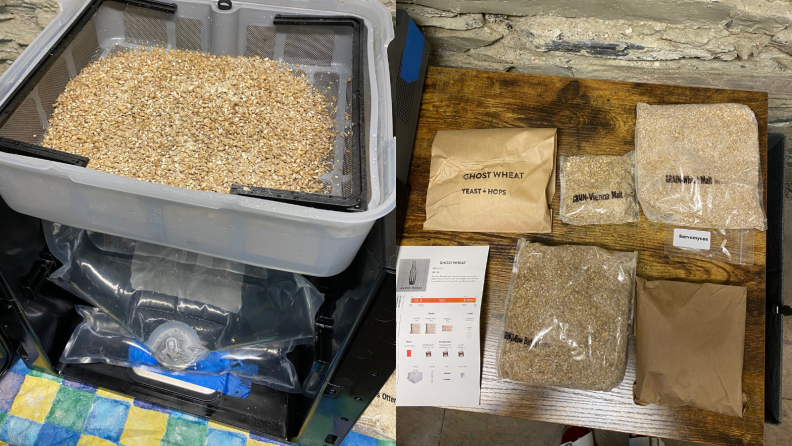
(689, 345)
(494, 180)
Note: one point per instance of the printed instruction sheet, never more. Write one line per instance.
(438, 307)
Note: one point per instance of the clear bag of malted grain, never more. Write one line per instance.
(598, 189)
(567, 316)
(698, 165)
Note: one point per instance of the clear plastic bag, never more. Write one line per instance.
(160, 293)
(598, 189)
(100, 339)
(722, 245)
(567, 316)
(698, 165)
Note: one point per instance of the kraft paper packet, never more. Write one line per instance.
(689, 345)
(492, 180)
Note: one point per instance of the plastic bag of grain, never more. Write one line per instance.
(379, 419)
(567, 316)
(698, 165)
(598, 189)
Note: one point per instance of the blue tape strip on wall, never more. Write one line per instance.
(413, 50)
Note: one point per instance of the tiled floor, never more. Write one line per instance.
(38, 409)
(431, 426)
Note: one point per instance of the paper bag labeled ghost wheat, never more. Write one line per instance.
(494, 180)
(690, 340)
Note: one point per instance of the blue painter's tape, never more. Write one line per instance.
(355, 439)
(413, 52)
(217, 367)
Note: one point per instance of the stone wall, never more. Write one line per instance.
(744, 44)
(725, 44)
(20, 22)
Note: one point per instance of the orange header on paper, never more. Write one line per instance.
(442, 300)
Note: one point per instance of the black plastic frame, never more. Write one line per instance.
(404, 131)
(357, 201)
(359, 372)
(34, 151)
(774, 292)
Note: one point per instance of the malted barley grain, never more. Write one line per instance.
(196, 121)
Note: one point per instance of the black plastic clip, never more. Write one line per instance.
(23, 353)
(34, 151)
(42, 268)
(323, 341)
(332, 391)
(784, 310)
(224, 5)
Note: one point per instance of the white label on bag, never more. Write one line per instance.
(685, 238)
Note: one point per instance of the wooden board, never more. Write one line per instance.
(595, 117)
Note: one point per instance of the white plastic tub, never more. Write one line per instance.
(250, 230)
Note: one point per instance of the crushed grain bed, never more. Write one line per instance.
(196, 121)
